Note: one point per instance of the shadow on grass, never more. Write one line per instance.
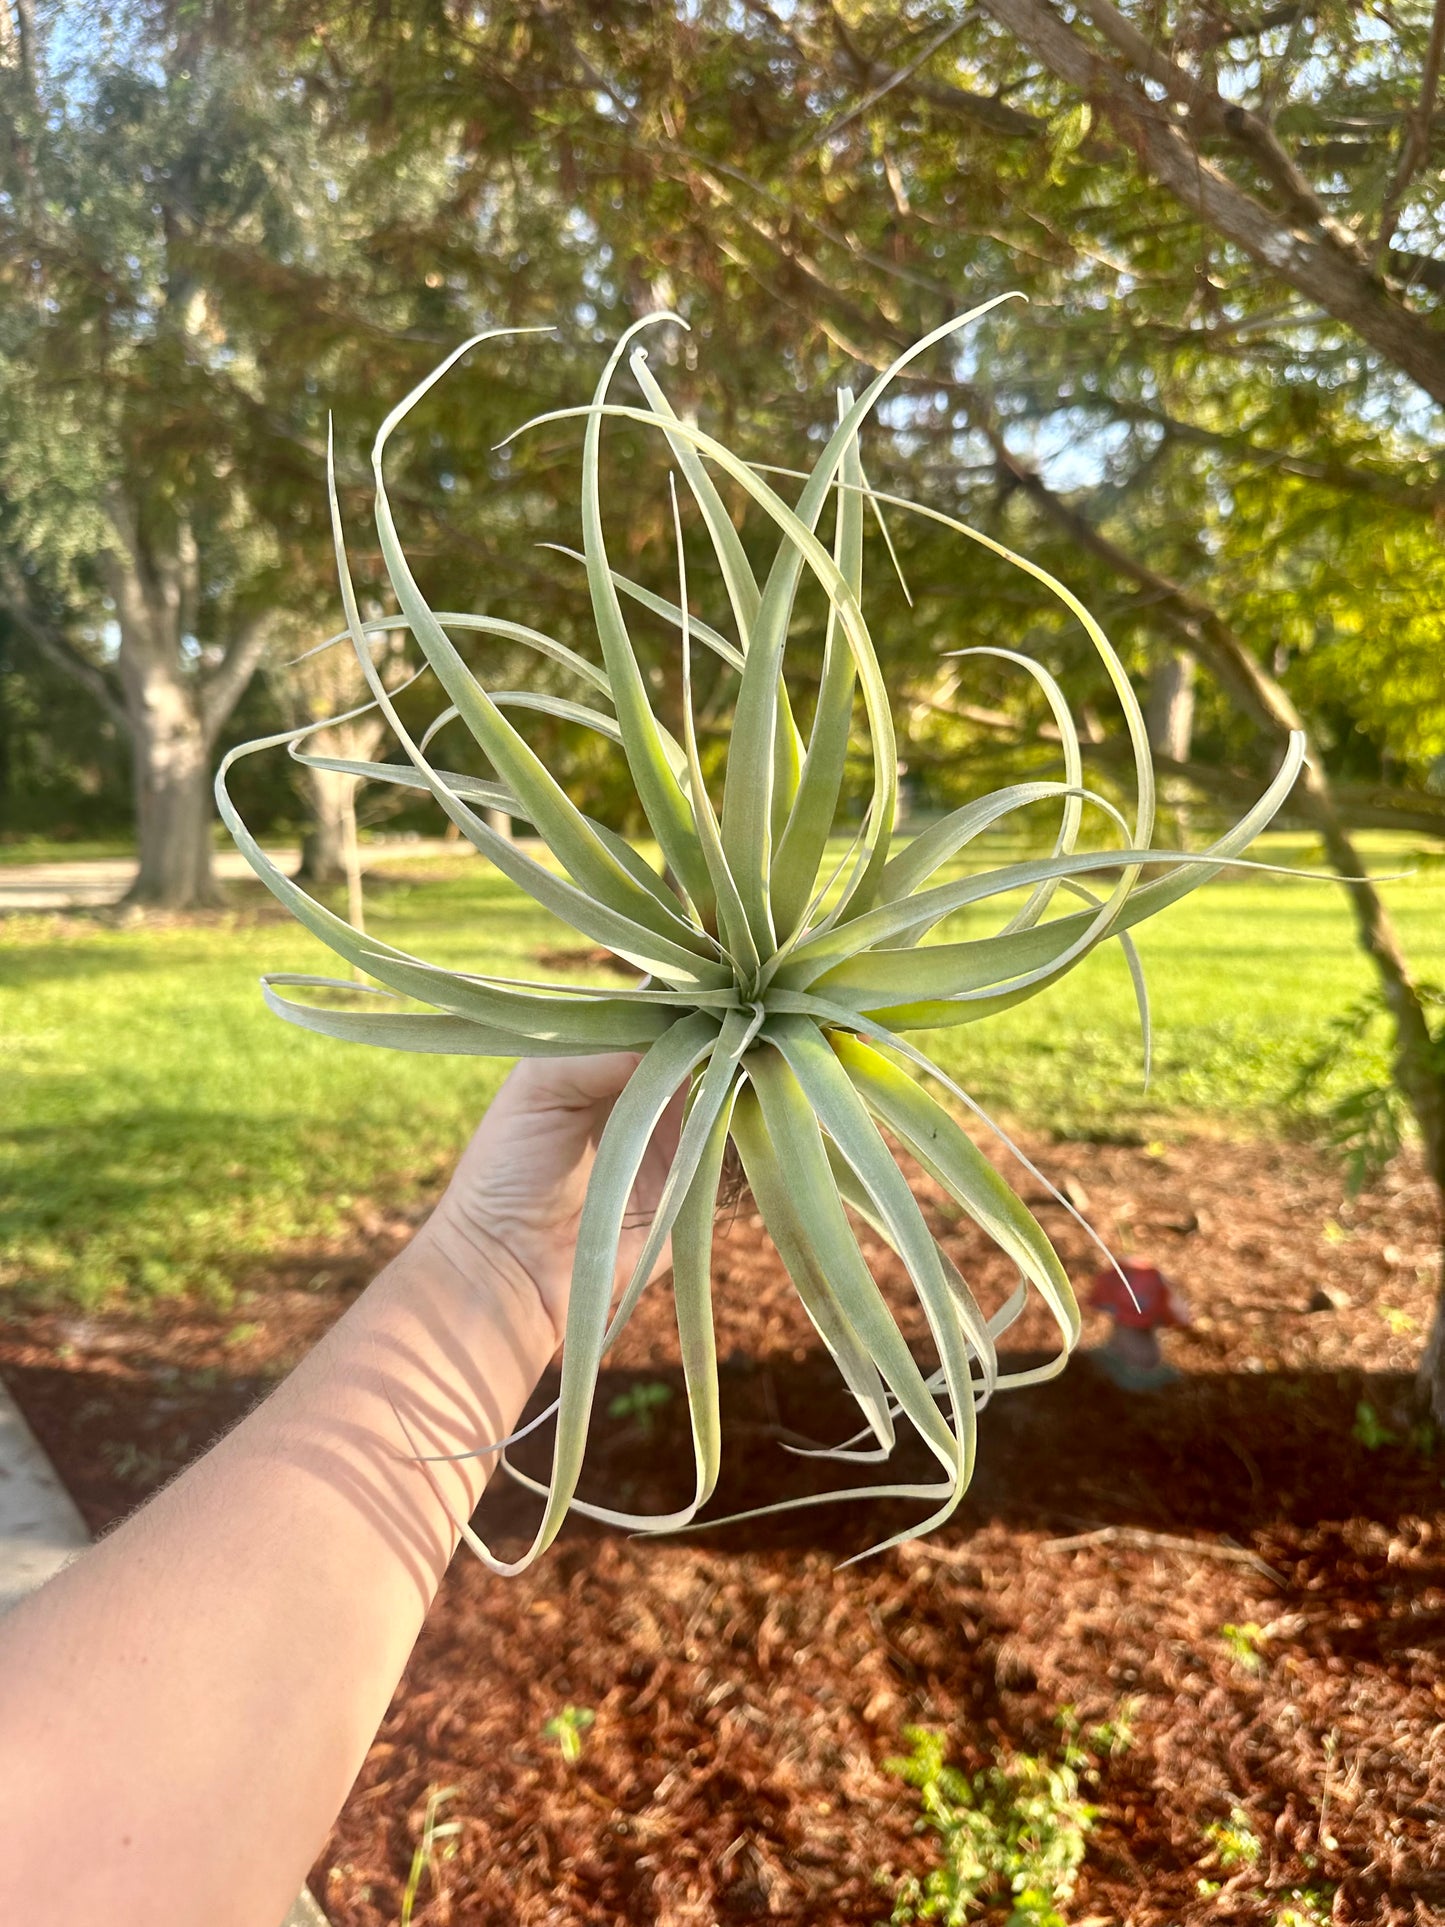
(24, 966)
(133, 1165)
(124, 1208)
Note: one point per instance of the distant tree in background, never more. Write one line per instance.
(814, 188)
(116, 468)
(196, 260)
(311, 686)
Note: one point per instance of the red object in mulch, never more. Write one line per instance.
(1142, 1300)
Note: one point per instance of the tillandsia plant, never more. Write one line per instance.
(782, 984)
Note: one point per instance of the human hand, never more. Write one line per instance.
(514, 1203)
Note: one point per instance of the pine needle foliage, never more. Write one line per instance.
(783, 986)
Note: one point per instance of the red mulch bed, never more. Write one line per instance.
(745, 1689)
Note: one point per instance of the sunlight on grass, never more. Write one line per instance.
(163, 1133)
(1244, 978)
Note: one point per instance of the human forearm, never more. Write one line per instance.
(261, 1609)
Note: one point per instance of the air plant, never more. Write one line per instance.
(784, 987)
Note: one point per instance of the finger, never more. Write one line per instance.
(574, 1083)
(669, 1125)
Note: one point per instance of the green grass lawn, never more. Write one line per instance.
(1247, 978)
(160, 1132)
(47, 849)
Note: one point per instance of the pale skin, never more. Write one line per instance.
(184, 1708)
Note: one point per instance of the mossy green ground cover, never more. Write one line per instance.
(160, 1131)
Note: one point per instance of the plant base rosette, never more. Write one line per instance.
(783, 984)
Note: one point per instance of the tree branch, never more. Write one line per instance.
(1416, 270)
(223, 688)
(17, 43)
(958, 103)
(1415, 148)
(55, 646)
(1309, 256)
(1190, 621)
(884, 81)
(1213, 114)
(1427, 499)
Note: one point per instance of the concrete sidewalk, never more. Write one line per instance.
(97, 883)
(40, 1528)
(41, 1531)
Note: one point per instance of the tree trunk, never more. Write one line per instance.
(155, 588)
(1171, 707)
(1169, 719)
(173, 804)
(329, 849)
(173, 709)
(1430, 1375)
(324, 846)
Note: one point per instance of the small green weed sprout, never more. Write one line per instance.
(1369, 1429)
(1306, 1907)
(1018, 1828)
(640, 1403)
(567, 1728)
(1245, 1645)
(426, 1859)
(1235, 1842)
(1106, 1739)
(1113, 1738)
(1370, 1121)
(134, 1464)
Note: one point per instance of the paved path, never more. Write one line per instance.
(40, 1531)
(97, 882)
(40, 1528)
